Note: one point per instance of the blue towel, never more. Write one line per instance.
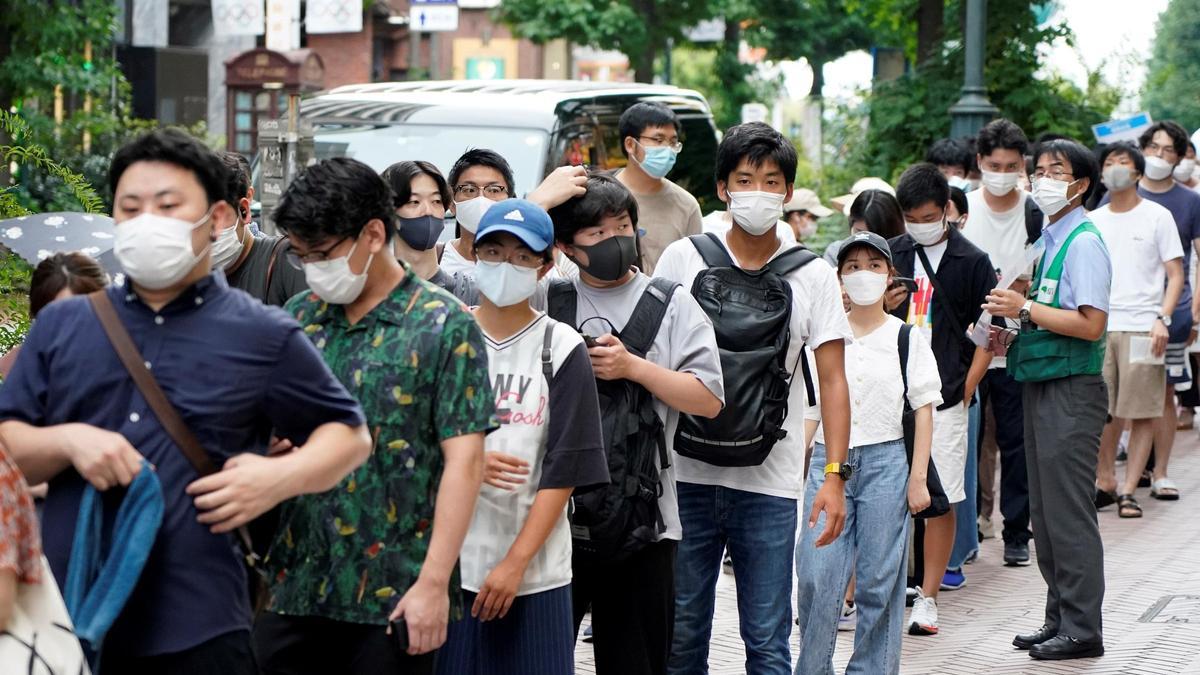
(98, 585)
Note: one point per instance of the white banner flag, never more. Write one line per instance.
(283, 25)
(334, 16)
(238, 17)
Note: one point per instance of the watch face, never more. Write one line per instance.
(845, 472)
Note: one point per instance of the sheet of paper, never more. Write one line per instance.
(1139, 351)
(979, 332)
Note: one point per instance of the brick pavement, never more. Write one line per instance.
(1145, 560)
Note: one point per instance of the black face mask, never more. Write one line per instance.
(610, 259)
(422, 232)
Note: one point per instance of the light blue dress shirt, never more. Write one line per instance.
(1087, 271)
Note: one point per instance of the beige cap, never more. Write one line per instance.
(861, 185)
(804, 199)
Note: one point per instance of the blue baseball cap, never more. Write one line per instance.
(521, 218)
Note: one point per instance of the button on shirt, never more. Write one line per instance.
(876, 386)
(235, 370)
(1087, 271)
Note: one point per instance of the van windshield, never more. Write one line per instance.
(382, 146)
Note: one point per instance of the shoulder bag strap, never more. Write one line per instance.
(809, 390)
(548, 352)
(937, 290)
(902, 350)
(647, 317)
(271, 263)
(711, 250)
(791, 260)
(166, 413)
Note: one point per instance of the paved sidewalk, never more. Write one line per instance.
(1151, 607)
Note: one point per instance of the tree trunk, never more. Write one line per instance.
(643, 59)
(818, 83)
(643, 63)
(930, 20)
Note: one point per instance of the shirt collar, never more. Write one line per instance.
(204, 290)
(1058, 231)
(391, 310)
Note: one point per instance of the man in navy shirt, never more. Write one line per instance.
(234, 369)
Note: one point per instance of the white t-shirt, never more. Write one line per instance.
(685, 343)
(1000, 235)
(817, 318)
(920, 305)
(453, 262)
(1140, 242)
(876, 386)
(719, 222)
(555, 427)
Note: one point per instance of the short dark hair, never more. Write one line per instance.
(960, 200)
(920, 184)
(1127, 149)
(1001, 134)
(238, 184)
(335, 198)
(173, 146)
(482, 157)
(755, 142)
(880, 211)
(400, 175)
(949, 152)
(605, 196)
(1082, 161)
(642, 115)
(75, 271)
(1179, 137)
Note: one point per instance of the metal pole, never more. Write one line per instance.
(414, 52)
(973, 109)
(435, 61)
(667, 60)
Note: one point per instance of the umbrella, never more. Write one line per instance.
(38, 236)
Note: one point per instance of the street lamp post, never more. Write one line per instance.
(973, 109)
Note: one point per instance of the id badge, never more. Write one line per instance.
(1045, 293)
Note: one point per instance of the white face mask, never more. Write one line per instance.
(227, 249)
(504, 283)
(864, 287)
(333, 281)
(1157, 168)
(156, 251)
(469, 213)
(1117, 177)
(808, 229)
(1183, 172)
(1000, 184)
(756, 212)
(1051, 195)
(926, 234)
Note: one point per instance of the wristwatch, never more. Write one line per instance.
(842, 470)
(1165, 319)
(1025, 314)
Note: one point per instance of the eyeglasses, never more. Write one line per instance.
(673, 143)
(467, 192)
(1055, 174)
(299, 261)
(520, 257)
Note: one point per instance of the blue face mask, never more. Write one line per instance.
(658, 162)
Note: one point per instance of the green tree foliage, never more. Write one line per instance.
(910, 113)
(1172, 89)
(640, 29)
(819, 31)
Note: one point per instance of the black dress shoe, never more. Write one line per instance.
(1037, 637)
(1062, 647)
(1016, 554)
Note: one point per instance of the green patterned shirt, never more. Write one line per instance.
(417, 364)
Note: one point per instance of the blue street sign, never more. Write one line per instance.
(1125, 129)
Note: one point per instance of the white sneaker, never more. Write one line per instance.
(848, 621)
(987, 529)
(923, 620)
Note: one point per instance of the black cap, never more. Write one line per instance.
(869, 239)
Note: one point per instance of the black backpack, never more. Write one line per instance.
(751, 313)
(615, 521)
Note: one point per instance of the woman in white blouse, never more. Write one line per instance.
(882, 490)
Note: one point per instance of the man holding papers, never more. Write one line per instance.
(1145, 250)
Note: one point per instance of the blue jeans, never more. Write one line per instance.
(874, 545)
(966, 512)
(760, 532)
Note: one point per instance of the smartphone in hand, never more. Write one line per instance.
(910, 284)
(400, 633)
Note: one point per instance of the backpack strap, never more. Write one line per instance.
(562, 301)
(711, 250)
(547, 352)
(647, 317)
(791, 260)
(809, 390)
(902, 349)
(1033, 221)
(271, 263)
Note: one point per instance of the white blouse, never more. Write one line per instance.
(876, 387)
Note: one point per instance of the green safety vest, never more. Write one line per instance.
(1040, 355)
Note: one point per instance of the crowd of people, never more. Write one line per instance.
(425, 457)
